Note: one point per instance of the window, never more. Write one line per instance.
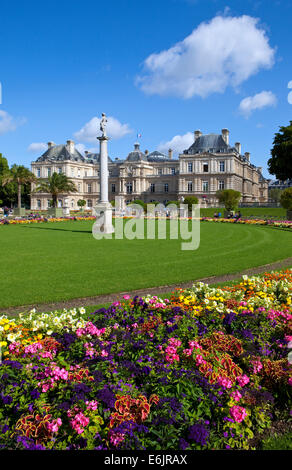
(190, 186)
(38, 172)
(205, 186)
(221, 184)
(205, 167)
(79, 187)
(152, 188)
(60, 202)
(89, 203)
(160, 171)
(49, 202)
(39, 204)
(60, 170)
(173, 171)
(78, 172)
(85, 173)
(72, 171)
(129, 187)
(89, 188)
(113, 188)
(166, 187)
(222, 166)
(49, 172)
(72, 204)
(190, 167)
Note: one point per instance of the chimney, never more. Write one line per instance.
(146, 152)
(70, 146)
(137, 146)
(225, 135)
(260, 169)
(197, 134)
(247, 156)
(86, 152)
(170, 153)
(238, 147)
(51, 144)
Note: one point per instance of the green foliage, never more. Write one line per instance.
(190, 200)
(275, 194)
(278, 442)
(229, 198)
(286, 199)
(81, 203)
(280, 163)
(57, 184)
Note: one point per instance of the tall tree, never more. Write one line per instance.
(57, 184)
(280, 163)
(19, 175)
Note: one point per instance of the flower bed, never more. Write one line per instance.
(207, 369)
(284, 224)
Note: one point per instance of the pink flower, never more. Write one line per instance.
(257, 366)
(224, 382)
(200, 360)
(126, 297)
(236, 395)
(242, 380)
(238, 413)
(187, 352)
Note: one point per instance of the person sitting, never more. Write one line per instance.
(215, 215)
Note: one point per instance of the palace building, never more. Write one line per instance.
(208, 165)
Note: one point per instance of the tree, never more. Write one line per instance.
(286, 199)
(275, 194)
(190, 200)
(81, 203)
(57, 184)
(229, 198)
(280, 164)
(20, 175)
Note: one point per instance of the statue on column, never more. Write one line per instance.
(103, 125)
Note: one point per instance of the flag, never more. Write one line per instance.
(139, 135)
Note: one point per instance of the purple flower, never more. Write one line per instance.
(199, 434)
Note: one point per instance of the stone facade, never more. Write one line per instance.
(208, 165)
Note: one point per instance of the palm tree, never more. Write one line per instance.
(57, 184)
(20, 175)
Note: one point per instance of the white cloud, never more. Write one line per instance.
(90, 130)
(37, 147)
(8, 123)
(258, 101)
(178, 143)
(223, 52)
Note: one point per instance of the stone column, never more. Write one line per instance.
(103, 209)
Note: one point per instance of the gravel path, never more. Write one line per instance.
(108, 298)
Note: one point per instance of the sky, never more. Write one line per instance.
(158, 68)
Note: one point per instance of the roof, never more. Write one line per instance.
(95, 158)
(157, 157)
(213, 143)
(60, 153)
(136, 155)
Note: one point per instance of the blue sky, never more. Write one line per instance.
(162, 68)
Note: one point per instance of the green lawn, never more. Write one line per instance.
(55, 262)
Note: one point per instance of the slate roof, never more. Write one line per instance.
(60, 153)
(213, 143)
(95, 158)
(136, 155)
(157, 157)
